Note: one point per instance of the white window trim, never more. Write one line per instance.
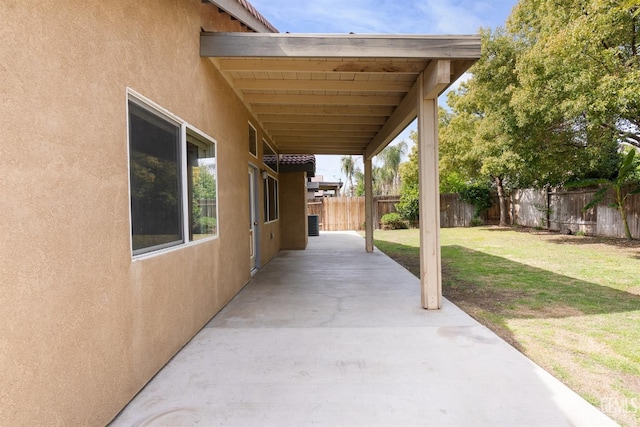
(144, 102)
(264, 141)
(256, 131)
(277, 197)
(200, 134)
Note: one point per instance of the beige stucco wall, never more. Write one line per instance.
(83, 325)
(293, 210)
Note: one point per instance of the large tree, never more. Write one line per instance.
(503, 132)
(481, 139)
(579, 68)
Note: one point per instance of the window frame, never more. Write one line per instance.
(267, 199)
(255, 132)
(275, 153)
(184, 186)
(203, 139)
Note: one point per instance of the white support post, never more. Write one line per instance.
(368, 204)
(430, 273)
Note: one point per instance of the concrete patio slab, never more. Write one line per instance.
(335, 336)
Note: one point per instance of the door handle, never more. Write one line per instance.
(255, 223)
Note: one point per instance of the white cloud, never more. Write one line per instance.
(384, 16)
(455, 17)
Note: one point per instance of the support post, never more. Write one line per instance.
(430, 273)
(368, 204)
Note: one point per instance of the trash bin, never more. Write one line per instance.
(314, 225)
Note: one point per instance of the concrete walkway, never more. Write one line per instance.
(335, 336)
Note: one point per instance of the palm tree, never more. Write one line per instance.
(348, 168)
(391, 158)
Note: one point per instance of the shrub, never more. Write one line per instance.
(476, 222)
(479, 196)
(205, 225)
(392, 221)
(408, 207)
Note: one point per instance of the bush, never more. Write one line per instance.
(205, 225)
(408, 207)
(479, 196)
(392, 221)
(476, 222)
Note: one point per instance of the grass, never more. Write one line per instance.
(570, 303)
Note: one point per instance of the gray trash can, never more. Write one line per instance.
(314, 225)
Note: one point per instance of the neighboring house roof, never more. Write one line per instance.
(296, 163)
(330, 185)
(244, 12)
(297, 159)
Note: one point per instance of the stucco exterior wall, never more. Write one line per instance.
(293, 207)
(84, 326)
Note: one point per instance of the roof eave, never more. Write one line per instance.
(244, 12)
(270, 45)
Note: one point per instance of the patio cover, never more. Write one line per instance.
(336, 94)
(351, 94)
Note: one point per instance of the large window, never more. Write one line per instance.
(173, 186)
(270, 199)
(156, 208)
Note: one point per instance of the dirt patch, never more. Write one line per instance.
(511, 303)
(409, 261)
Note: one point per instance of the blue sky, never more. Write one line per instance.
(381, 17)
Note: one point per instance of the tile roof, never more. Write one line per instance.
(257, 15)
(297, 159)
(292, 163)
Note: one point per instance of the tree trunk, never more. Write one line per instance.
(502, 200)
(623, 213)
(627, 231)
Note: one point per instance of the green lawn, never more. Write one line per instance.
(570, 303)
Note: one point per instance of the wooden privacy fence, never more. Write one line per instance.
(561, 210)
(454, 212)
(347, 213)
(555, 210)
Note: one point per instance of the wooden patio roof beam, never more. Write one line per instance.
(345, 65)
(322, 134)
(334, 85)
(270, 119)
(437, 76)
(326, 110)
(321, 140)
(261, 98)
(292, 127)
(341, 151)
(269, 45)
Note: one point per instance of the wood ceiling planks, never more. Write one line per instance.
(341, 94)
